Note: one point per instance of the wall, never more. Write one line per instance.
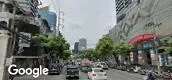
(29, 6)
(137, 18)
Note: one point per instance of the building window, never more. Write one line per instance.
(1, 6)
(121, 17)
(9, 8)
(138, 1)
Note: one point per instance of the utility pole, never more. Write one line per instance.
(13, 35)
(60, 23)
(10, 48)
(154, 26)
(155, 46)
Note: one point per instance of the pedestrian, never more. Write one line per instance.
(151, 76)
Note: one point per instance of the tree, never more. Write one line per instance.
(121, 49)
(54, 45)
(168, 49)
(104, 47)
(66, 55)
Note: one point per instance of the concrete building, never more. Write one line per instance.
(121, 7)
(28, 7)
(137, 17)
(82, 44)
(143, 17)
(21, 19)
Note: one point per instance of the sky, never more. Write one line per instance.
(90, 19)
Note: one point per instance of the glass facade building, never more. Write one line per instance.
(51, 18)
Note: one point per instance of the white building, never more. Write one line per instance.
(142, 17)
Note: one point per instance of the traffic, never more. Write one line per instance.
(99, 70)
(94, 70)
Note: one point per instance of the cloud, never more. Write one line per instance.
(87, 18)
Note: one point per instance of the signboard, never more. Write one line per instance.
(23, 42)
(131, 56)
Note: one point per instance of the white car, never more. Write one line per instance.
(97, 74)
(102, 65)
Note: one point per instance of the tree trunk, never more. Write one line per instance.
(116, 59)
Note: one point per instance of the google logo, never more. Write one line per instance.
(36, 72)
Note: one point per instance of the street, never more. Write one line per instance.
(112, 74)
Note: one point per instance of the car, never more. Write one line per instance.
(85, 68)
(130, 69)
(103, 65)
(97, 74)
(54, 69)
(72, 72)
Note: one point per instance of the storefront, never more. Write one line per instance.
(144, 52)
(27, 61)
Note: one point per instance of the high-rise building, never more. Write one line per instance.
(82, 44)
(121, 7)
(51, 17)
(76, 47)
(140, 18)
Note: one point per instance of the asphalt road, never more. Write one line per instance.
(112, 74)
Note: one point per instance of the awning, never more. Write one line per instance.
(141, 38)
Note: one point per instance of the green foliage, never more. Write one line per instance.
(121, 49)
(168, 49)
(104, 47)
(53, 44)
(169, 42)
(89, 54)
(107, 47)
(66, 55)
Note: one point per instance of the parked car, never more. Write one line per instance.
(54, 69)
(122, 67)
(103, 65)
(97, 74)
(130, 68)
(72, 72)
(135, 68)
(142, 71)
(111, 65)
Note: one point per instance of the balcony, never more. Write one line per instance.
(5, 1)
(30, 20)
